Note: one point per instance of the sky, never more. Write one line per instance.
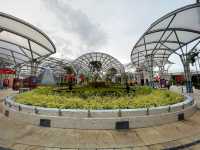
(80, 26)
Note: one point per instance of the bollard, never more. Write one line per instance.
(59, 112)
(147, 110)
(36, 110)
(119, 113)
(5, 102)
(89, 113)
(9, 104)
(183, 106)
(19, 108)
(169, 108)
(192, 102)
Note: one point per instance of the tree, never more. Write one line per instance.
(69, 69)
(95, 68)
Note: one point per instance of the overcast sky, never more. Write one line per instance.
(80, 26)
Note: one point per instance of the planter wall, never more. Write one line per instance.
(99, 119)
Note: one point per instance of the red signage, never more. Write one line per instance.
(179, 78)
(7, 71)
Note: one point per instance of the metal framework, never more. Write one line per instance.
(5, 63)
(21, 42)
(83, 64)
(56, 65)
(173, 33)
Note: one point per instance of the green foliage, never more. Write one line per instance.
(143, 90)
(172, 82)
(98, 98)
(69, 69)
(97, 84)
(95, 65)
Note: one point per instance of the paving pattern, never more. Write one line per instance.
(20, 136)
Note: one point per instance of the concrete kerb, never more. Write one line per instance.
(99, 119)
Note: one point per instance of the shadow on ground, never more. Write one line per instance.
(3, 148)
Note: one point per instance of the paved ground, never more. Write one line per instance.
(4, 93)
(19, 136)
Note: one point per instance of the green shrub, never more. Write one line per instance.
(143, 90)
(98, 98)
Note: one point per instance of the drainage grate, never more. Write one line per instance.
(6, 113)
(45, 122)
(181, 117)
(122, 125)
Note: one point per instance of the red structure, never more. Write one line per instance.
(30, 82)
(16, 84)
(70, 77)
(7, 77)
(82, 77)
(179, 79)
(7, 71)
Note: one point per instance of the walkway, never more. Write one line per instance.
(19, 136)
(4, 93)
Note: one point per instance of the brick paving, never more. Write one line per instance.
(20, 136)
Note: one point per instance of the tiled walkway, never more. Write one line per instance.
(19, 136)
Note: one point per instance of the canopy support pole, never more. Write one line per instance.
(18, 70)
(34, 66)
(161, 71)
(187, 73)
(150, 70)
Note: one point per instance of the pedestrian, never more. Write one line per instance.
(167, 84)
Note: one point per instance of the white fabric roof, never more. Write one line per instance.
(21, 41)
(167, 35)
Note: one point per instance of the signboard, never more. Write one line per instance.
(7, 71)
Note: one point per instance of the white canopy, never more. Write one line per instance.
(168, 34)
(22, 42)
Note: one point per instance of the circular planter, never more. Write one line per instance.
(99, 119)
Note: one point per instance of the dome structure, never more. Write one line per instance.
(97, 62)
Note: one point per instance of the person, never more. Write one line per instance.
(1, 84)
(142, 82)
(5, 83)
(147, 82)
(127, 88)
(168, 84)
